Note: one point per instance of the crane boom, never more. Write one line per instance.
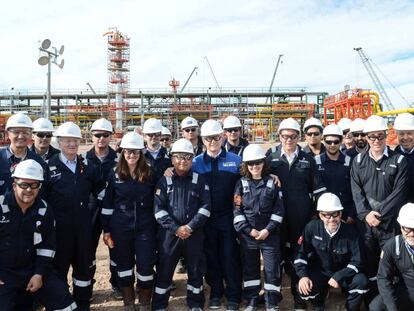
(188, 79)
(380, 88)
(274, 75)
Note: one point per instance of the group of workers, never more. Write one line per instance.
(336, 213)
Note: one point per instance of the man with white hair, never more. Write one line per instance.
(396, 267)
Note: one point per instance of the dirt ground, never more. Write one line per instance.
(104, 301)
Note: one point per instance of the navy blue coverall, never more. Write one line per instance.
(8, 162)
(221, 248)
(95, 205)
(321, 257)
(27, 247)
(336, 176)
(301, 186)
(68, 194)
(127, 214)
(160, 164)
(180, 200)
(243, 143)
(409, 156)
(395, 277)
(50, 153)
(258, 205)
(380, 186)
(308, 150)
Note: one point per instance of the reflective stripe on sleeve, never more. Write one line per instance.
(204, 212)
(251, 283)
(276, 218)
(300, 261)
(161, 214)
(107, 211)
(239, 218)
(45, 252)
(352, 267)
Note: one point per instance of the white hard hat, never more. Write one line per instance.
(404, 122)
(211, 128)
(230, 122)
(29, 169)
(332, 129)
(289, 124)
(312, 122)
(253, 152)
(19, 120)
(375, 123)
(182, 145)
(132, 140)
(152, 126)
(42, 125)
(345, 124)
(329, 202)
(165, 131)
(188, 122)
(357, 125)
(406, 215)
(68, 129)
(102, 125)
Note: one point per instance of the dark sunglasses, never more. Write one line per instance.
(233, 129)
(165, 139)
(374, 138)
(26, 185)
(332, 142)
(185, 157)
(154, 135)
(211, 138)
(190, 129)
(359, 134)
(43, 135)
(253, 163)
(407, 230)
(291, 137)
(329, 215)
(313, 134)
(99, 135)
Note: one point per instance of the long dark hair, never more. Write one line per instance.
(142, 170)
(244, 171)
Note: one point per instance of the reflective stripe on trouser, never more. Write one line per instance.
(135, 249)
(354, 288)
(170, 250)
(73, 248)
(223, 261)
(251, 274)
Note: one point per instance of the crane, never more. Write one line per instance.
(274, 75)
(188, 79)
(366, 61)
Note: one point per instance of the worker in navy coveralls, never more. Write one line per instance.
(27, 244)
(181, 207)
(258, 215)
(128, 221)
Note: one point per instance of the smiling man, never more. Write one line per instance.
(42, 136)
(379, 180)
(233, 131)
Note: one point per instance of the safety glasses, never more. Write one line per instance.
(165, 139)
(254, 163)
(330, 215)
(190, 129)
(99, 135)
(183, 157)
(44, 135)
(26, 185)
(313, 134)
(407, 230)
(154, 135)
(376, 137)
(211, 138)
(291, 137)
(332, 142)
(132, 151)
(233, 130)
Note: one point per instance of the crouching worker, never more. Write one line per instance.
(27, 244)
(258, 214)
(181, 207)
(396, 267)
(329, 254)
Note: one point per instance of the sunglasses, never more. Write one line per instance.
(211, 138)
(407, 230)
(374, 138)
(165, 139)
(132, 151)
(358, 135)
(332, 142)
(99, 135)
(184, 157)
(43, 135)
(253, 163)
(191, 129)
(26, 185)
(233, 129)
(153, 135)
(291, 137)
(313, 134)
(329, 215)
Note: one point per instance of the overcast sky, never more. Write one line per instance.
(242, 40)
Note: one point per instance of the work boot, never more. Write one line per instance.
(144, 298)
(128, 295)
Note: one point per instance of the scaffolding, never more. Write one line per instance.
(118, 77)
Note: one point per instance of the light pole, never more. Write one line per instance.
(50, 56)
